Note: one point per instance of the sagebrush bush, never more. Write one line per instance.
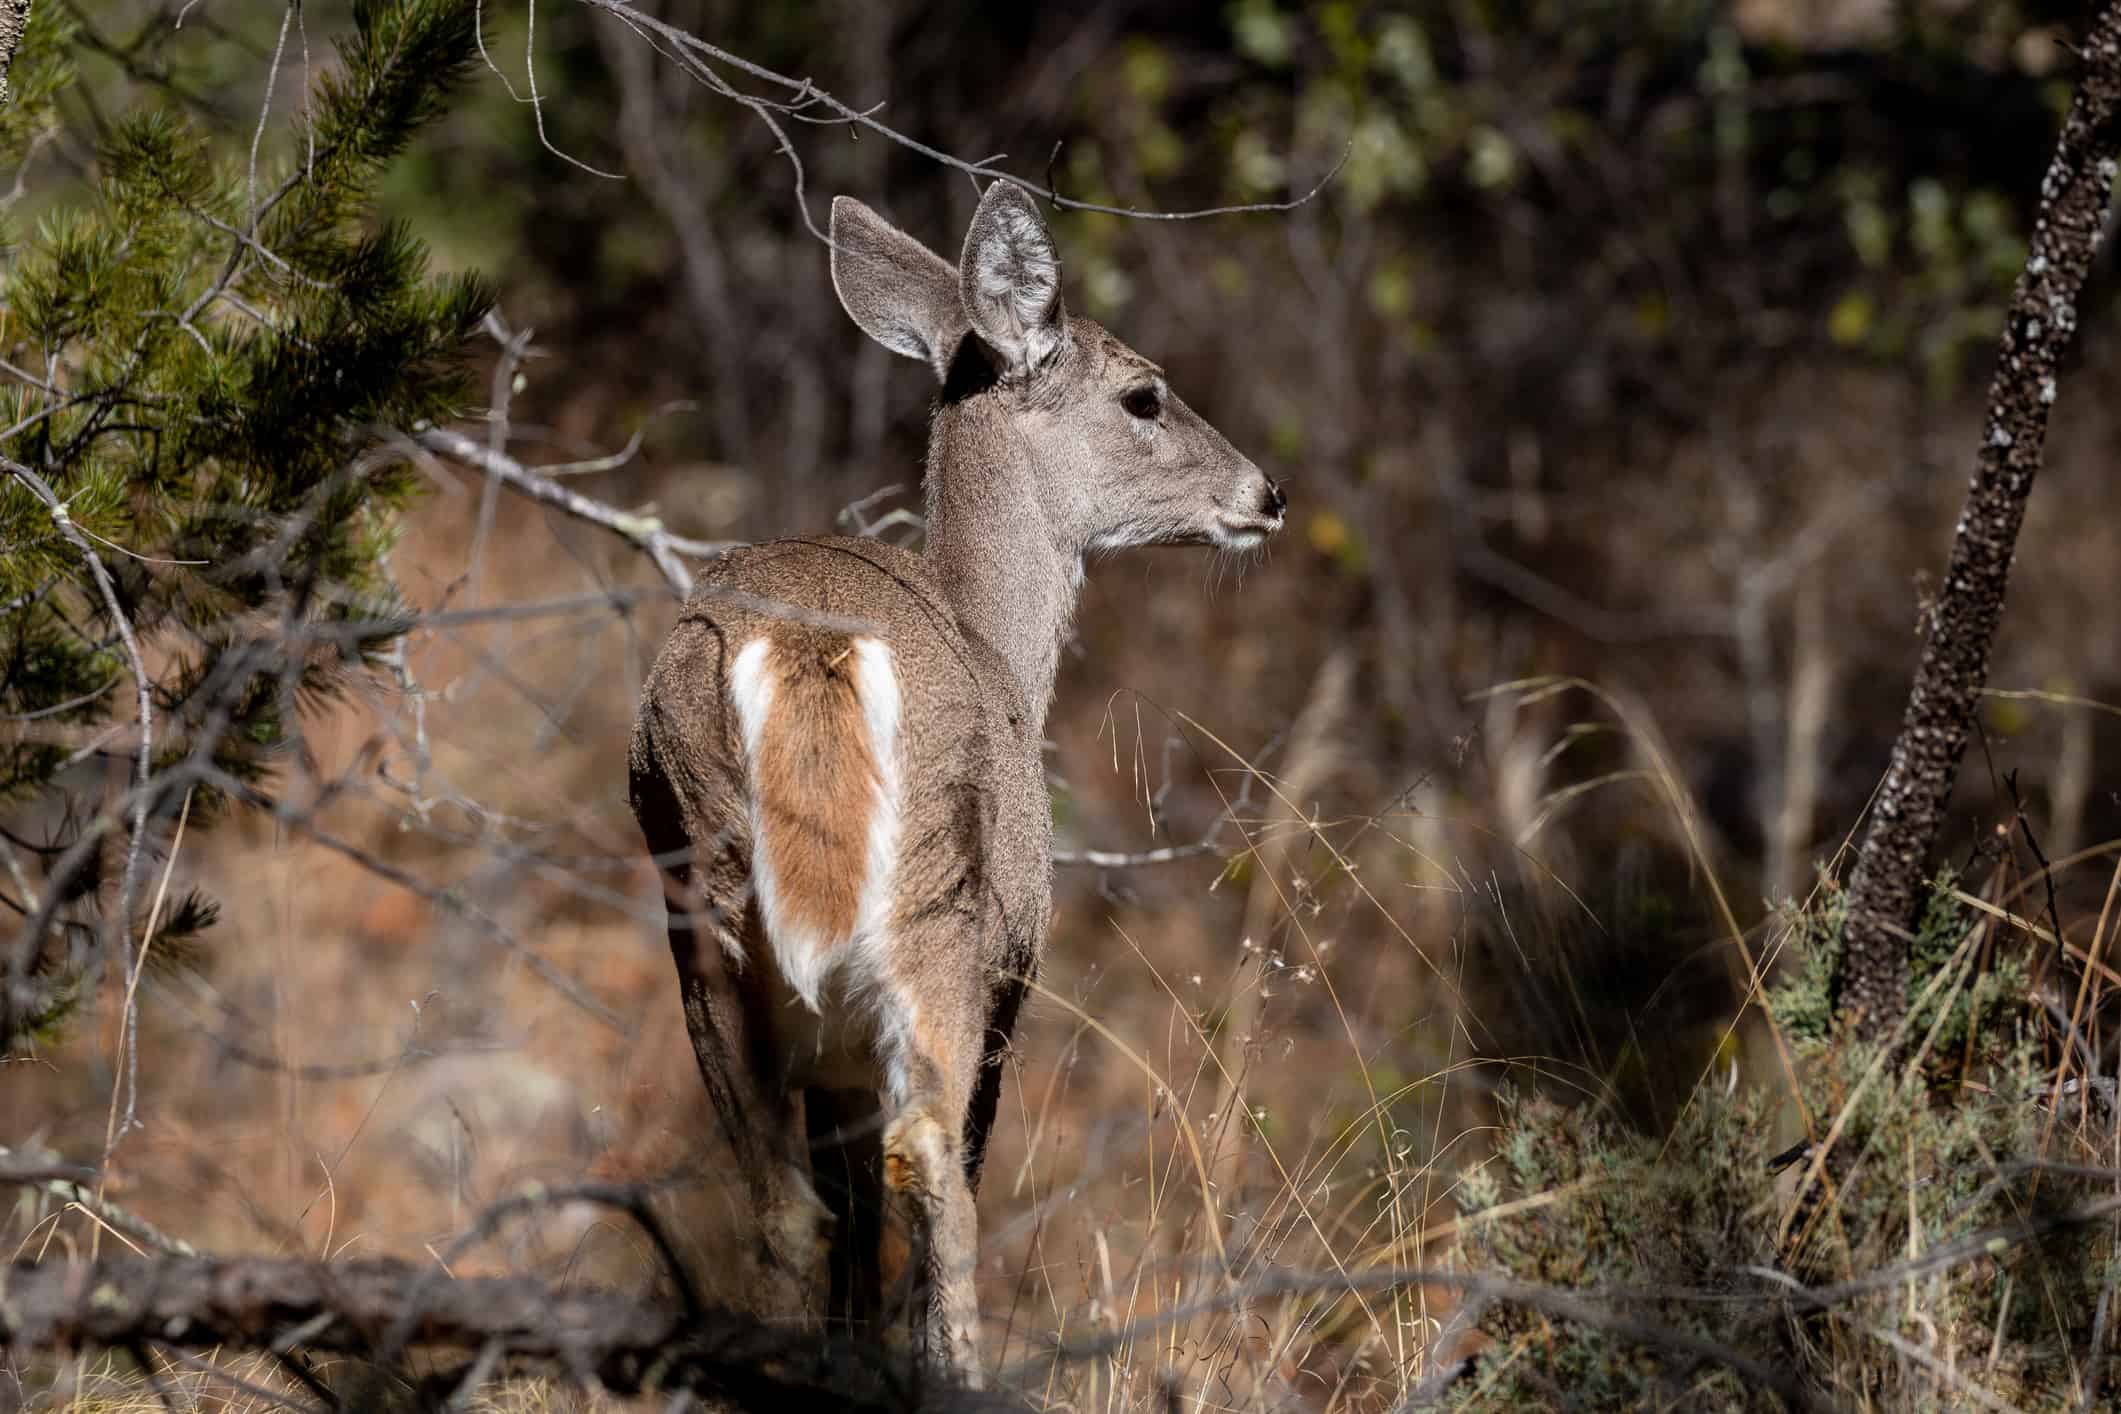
(1950, 1249)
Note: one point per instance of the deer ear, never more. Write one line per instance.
(902, 294)
(1010, 279)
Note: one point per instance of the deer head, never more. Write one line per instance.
(1110, 456)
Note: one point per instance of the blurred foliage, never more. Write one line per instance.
(201, 344)
(1578, 224)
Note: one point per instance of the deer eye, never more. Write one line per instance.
(1142, 402)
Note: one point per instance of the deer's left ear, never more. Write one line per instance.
(1010, 279)
(900, 292)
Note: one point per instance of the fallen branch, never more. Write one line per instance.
(629, 1344)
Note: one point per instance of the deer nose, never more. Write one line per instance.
(1274, 502)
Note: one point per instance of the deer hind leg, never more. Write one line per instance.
(931, 1061)
(764, 1125)
(713, 925)
(691, 818)
(846, 1164)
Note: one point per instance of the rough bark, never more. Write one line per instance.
(14, 18)
(382, 1309)
(1886, 891)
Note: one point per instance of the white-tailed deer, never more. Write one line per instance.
(838, 751)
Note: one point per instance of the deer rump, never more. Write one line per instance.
(819, 716)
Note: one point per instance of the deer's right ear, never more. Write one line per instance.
(901, 293)
(1010, 279)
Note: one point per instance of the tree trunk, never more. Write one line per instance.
(1887, 891)
(14, 18)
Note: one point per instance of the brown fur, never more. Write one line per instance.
(1052, 441)
(816, 778)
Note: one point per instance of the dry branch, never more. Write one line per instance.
(71, 1185)
(1608, 1312)
(644, 531)
(1887, 888)
(806, 102)
(629, 1344)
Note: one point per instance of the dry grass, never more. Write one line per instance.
(229, 1383)
(1246, 1089)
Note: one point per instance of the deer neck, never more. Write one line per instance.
(1007, 573)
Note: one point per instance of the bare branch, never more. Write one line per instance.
(143, 764)
(449, 900)
(1139, 859)
(645, 532)
(37, 1173)
(1210, 841)
(1480, 1287)
(695, 54)
(1988, 1242)
(70, 1185)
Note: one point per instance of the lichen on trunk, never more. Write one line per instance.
(1959, 627)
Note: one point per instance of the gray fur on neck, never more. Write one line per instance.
(994, 545)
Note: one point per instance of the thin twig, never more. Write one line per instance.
(143, 753)
(644, 531)
(806, 94)
(69, 1183)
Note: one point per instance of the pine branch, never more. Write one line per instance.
(184, 478)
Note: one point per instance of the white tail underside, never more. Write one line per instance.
(806, 956)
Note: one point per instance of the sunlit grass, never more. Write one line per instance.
(1252, 1095)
